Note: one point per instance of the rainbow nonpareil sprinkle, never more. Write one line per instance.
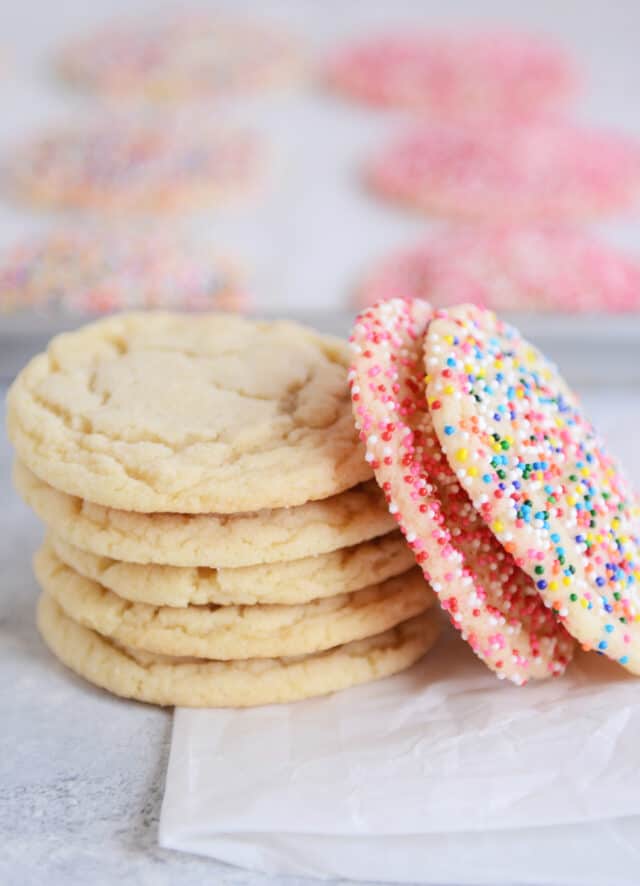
(511, 268)
(456, 75)
(96, 270)
(547, 171)
(182, 56)
(488, 598)
(539, 476)
(126, 163)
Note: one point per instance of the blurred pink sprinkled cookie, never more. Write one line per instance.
(126, 163)
(456, 75)
(95, 271)
(511, 269)
(539, 475)
(186, 55)
(489, 599)
(547, 171)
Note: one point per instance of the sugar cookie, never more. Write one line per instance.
(547, 171)
(192, 682)
(538, 475)
(233, 632)
(181, 57)
(459, 75)
(210, 540)
(489, 599)
(189, 414)
(292, 582)
(99, 269)
(509, 268)
(129, 164)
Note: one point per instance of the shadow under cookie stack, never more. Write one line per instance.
(214, 537)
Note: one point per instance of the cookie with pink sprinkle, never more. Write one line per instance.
(506, 268)
(98, 269)
(182, 56)
(539, 476)
(128, 163)
(547, 171)
(456, 75)
(488, 598)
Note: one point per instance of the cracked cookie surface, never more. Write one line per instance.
(233, 632)
(176, 413)
(294, 582)
(192, 682)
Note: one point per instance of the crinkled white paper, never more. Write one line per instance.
(439, 775)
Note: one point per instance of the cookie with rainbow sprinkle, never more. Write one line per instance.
(96, 270)
(456, 75)
(181, 57)
(538, 475)
(548, 171)
(126, 163)
(488, 597)
(506, 268)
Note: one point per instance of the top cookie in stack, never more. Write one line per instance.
(186, 467)
(171, 413)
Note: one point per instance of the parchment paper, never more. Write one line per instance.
(440, 775)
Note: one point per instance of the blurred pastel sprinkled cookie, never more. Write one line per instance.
(138, 164)
(234, 632)
(548, 171)
(489, 599)
(189, 414)
(182, 56)
(210, 540)
(456, 75)
(195, 682)
(538, 475)
(509, 268)
(291, 582)
(98, 270)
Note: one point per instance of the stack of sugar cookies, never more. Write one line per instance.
(214, 534)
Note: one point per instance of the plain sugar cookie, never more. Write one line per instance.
(233, 632)
(489, 599)
(209, 540)
(292, 582)
(189, 414)
(192, 682)
(538, 475)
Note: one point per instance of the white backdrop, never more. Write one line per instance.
(309, 238)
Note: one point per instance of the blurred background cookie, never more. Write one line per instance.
(456, 74)
(128, 163)
(544, 171)
(510, 268)
(98, 269)
(181, 56)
